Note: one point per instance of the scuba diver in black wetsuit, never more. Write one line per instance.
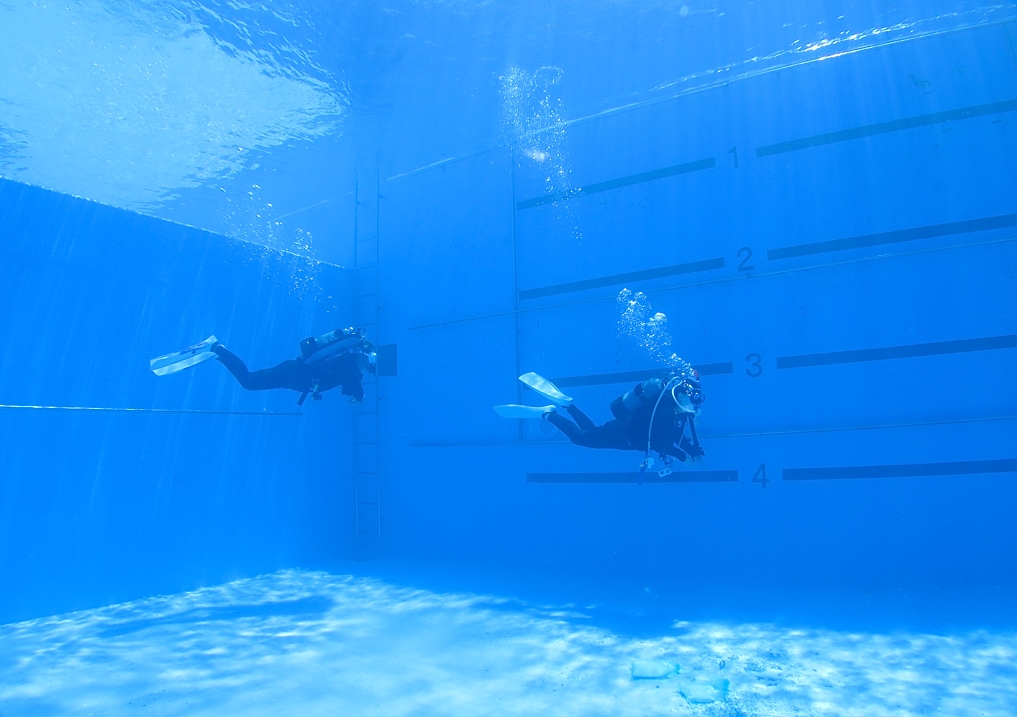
(654, 415)
(631, 428)
(338, 358)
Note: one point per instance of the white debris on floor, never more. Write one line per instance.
(310, 643)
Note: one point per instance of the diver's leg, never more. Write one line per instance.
(285, 375)
(234, 364)
(580, 418)
(573, 432)
(612, 434)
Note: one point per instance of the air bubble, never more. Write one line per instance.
(648, 329)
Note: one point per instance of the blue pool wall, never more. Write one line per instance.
(98, 507)
(101, 507)
(931, 303)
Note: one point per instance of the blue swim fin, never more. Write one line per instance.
(179, 360)
(514, 410)
(545, 388)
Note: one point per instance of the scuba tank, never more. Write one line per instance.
(318, 352)
(629, 404)
(316, 348)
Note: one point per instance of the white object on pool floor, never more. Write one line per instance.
(703, 693)
(652, 669)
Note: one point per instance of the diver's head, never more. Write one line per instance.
(688, 393)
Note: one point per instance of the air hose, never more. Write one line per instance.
(649, 435)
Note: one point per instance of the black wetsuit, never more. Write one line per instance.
(668, 431)
(299, 375)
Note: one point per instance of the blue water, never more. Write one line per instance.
(811, 203)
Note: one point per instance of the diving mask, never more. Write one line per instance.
(688, 396)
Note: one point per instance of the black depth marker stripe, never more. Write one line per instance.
(607, 379)
(938, 348)
(886, 127)
(691, 267)
(618, 183)
(928, 232)
(110, 409)
(678, 476)
(910, 470)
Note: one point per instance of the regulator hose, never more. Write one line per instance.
(649, 434)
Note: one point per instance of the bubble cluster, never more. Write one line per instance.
(533, 118)
(648, 329)
(248, 216)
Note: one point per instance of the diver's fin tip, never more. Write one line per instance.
(545, 388)
(513, 410)
(180, 360)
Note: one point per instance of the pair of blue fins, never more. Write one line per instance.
(541, 386)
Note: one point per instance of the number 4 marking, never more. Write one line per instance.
(760, 475)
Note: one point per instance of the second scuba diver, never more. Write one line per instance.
(338, 358)
(655, 415)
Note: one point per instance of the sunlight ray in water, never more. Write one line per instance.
(313, 643)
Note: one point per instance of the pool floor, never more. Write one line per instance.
(314, 643)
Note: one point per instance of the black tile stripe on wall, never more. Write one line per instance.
(938, 348)
(607, 379)
(618, 183)
(691, 267)
(1002, 221)
(886, 127)
(678, 476)
(909, 470)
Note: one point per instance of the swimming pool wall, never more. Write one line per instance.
(833, 245)
(118, 484)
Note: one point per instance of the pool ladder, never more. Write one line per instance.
(366, 434)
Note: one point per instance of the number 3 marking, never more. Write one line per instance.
(755, 369)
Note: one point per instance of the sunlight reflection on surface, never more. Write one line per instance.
(309, 643)
(128, 103)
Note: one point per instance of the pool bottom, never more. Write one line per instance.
(308, 643)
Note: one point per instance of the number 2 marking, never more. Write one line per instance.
(744, 265)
